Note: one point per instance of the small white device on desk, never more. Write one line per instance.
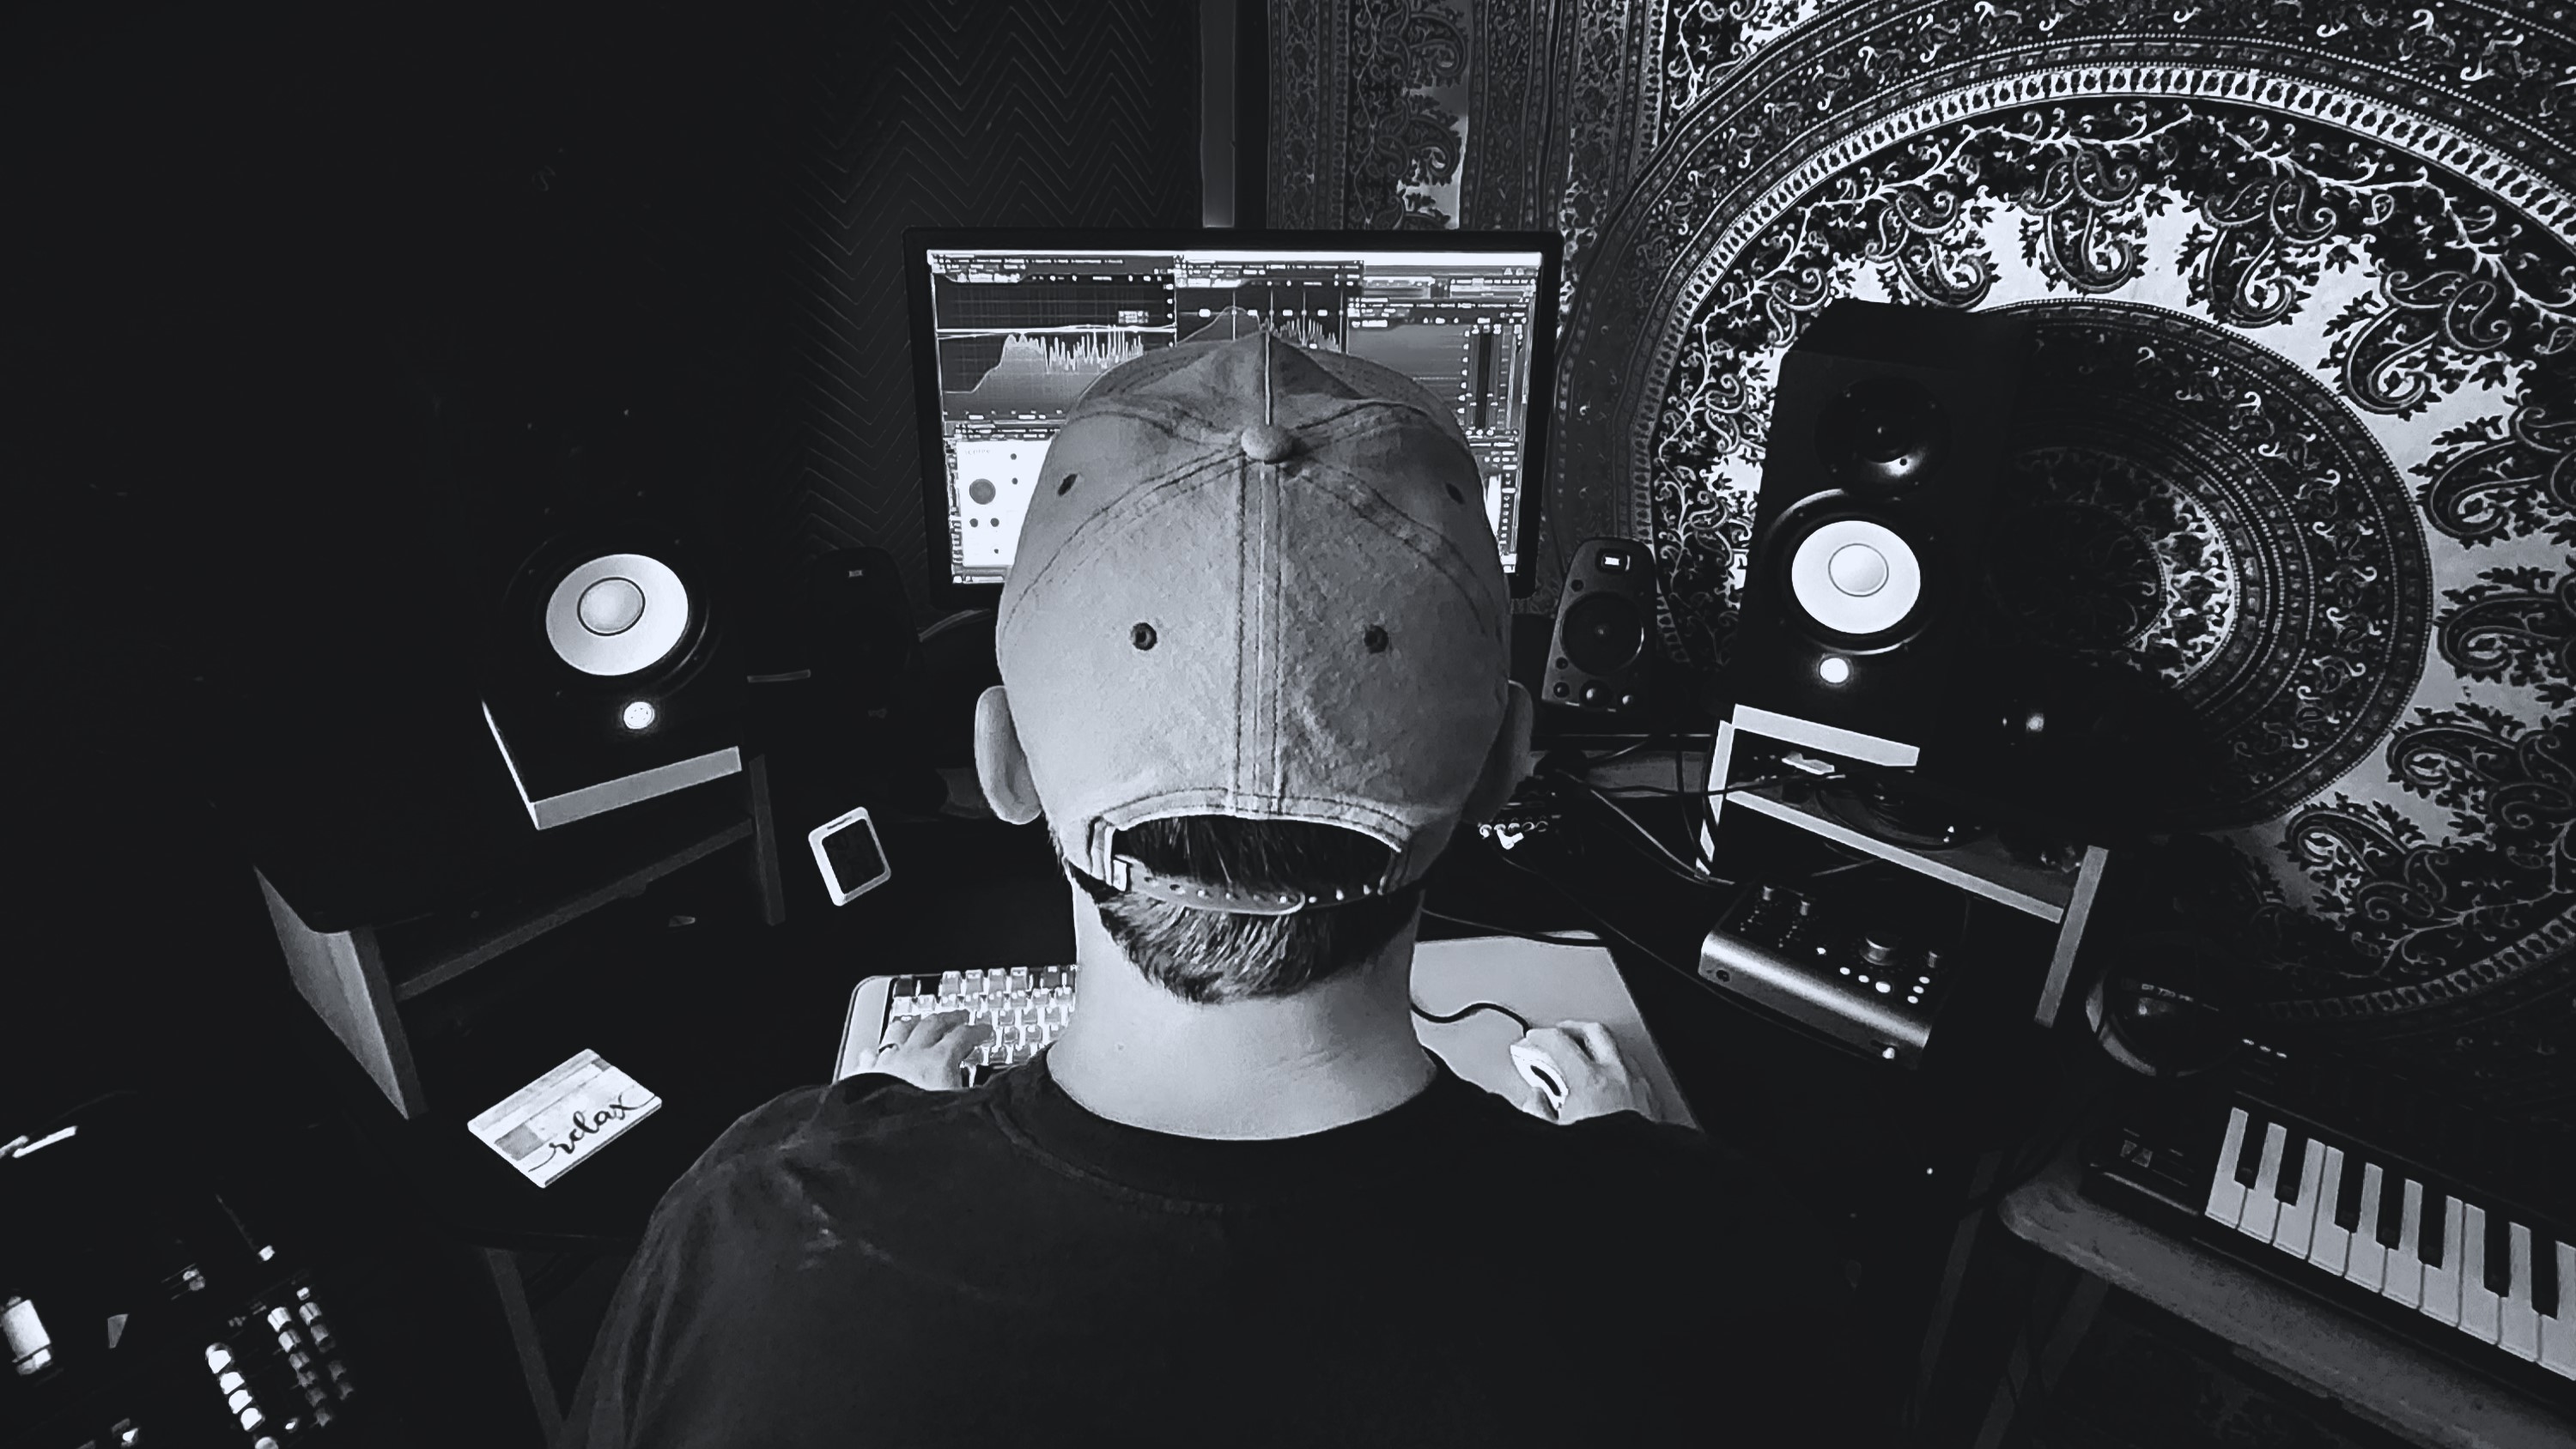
(1544, 983)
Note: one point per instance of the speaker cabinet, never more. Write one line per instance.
(605, 679)
(1597, 658)
(442, 640)
(1887, 431)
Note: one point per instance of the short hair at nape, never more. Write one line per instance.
(1210, 957)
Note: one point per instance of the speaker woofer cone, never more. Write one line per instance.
(1856, 578)
(1604, 634)
(617, 614)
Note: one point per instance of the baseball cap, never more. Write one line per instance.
(1256, 580)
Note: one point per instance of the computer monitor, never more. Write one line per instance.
(1010, 327)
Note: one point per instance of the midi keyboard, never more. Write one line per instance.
(2455, 1231)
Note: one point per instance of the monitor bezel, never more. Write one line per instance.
(919, 242)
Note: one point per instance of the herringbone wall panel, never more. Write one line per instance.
(949, 114)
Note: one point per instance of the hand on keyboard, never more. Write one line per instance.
(1585, 1059)
(928, 1051)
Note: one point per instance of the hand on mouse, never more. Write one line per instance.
(1598, 1080)
(928, 1051)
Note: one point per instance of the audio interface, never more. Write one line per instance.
(1852, 974)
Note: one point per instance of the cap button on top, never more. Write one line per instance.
(1268, 442)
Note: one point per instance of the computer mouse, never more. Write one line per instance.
(1539, 1072)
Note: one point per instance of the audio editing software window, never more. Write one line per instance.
(1021, 334)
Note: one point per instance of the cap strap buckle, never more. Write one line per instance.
(1198, 895)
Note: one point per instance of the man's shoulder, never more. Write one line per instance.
(1620, 1147)
(851, 1115)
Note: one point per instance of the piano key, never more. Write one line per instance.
(2249, 1154)
(2262, 1209)
(2392, 1210)
(2226, 1193)
(2347, 1213)
(2558, 1329)
(2443, 1229)
(2499, 1254)
(2299, 1215)
(2294, 1154)
(2404, 1279)
(2517, 1322)
(2545, 1286)
(2327, 1244)
(2366, 1262)
(2477, 1300)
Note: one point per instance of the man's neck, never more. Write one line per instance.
(1333, 1054)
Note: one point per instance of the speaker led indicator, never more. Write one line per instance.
(1833, 669)
(639, 714)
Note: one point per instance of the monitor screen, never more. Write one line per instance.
(1010, 329)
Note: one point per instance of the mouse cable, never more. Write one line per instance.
(1462, 1013)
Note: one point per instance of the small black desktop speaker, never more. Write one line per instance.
(1597, 658)
(1887, 431)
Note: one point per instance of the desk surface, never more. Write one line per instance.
(1543, 982)
(721, 1015)
(2371, 1372)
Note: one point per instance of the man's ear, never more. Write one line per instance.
(1000, 764)
(1509, 762)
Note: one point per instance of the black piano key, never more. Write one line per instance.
(2428, 1242)
(2544, 1274)
(2499, 1264)
(2249, 1158)
(2294, 1155)
(2392, 1210)
(2347, 1203)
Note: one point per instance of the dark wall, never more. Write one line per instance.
(261, 259)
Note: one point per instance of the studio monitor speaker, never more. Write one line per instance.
(605, 679)
(1598, 656)
(436, 654)
(1887, 431)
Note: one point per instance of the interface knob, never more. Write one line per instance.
(1876, 952)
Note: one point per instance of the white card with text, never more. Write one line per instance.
(555, 1123)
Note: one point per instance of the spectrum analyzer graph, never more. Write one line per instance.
(1029, 375)
(1306, 312)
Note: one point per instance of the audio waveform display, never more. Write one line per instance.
(1029, 374)
(1310, 314)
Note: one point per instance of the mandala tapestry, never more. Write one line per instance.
(2297, 443)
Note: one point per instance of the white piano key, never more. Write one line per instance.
(2404, 1279)
(2327, 1244)
(2477, 1300)
(2262, 1209)
(2366, 1264)
(2517, 1321)
(2299, 1216)
(2558, 1330)
(2226, 1194)
(2442, 1285)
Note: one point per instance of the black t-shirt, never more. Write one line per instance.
(873, 1264)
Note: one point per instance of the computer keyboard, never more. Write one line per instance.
(1026, 1006)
